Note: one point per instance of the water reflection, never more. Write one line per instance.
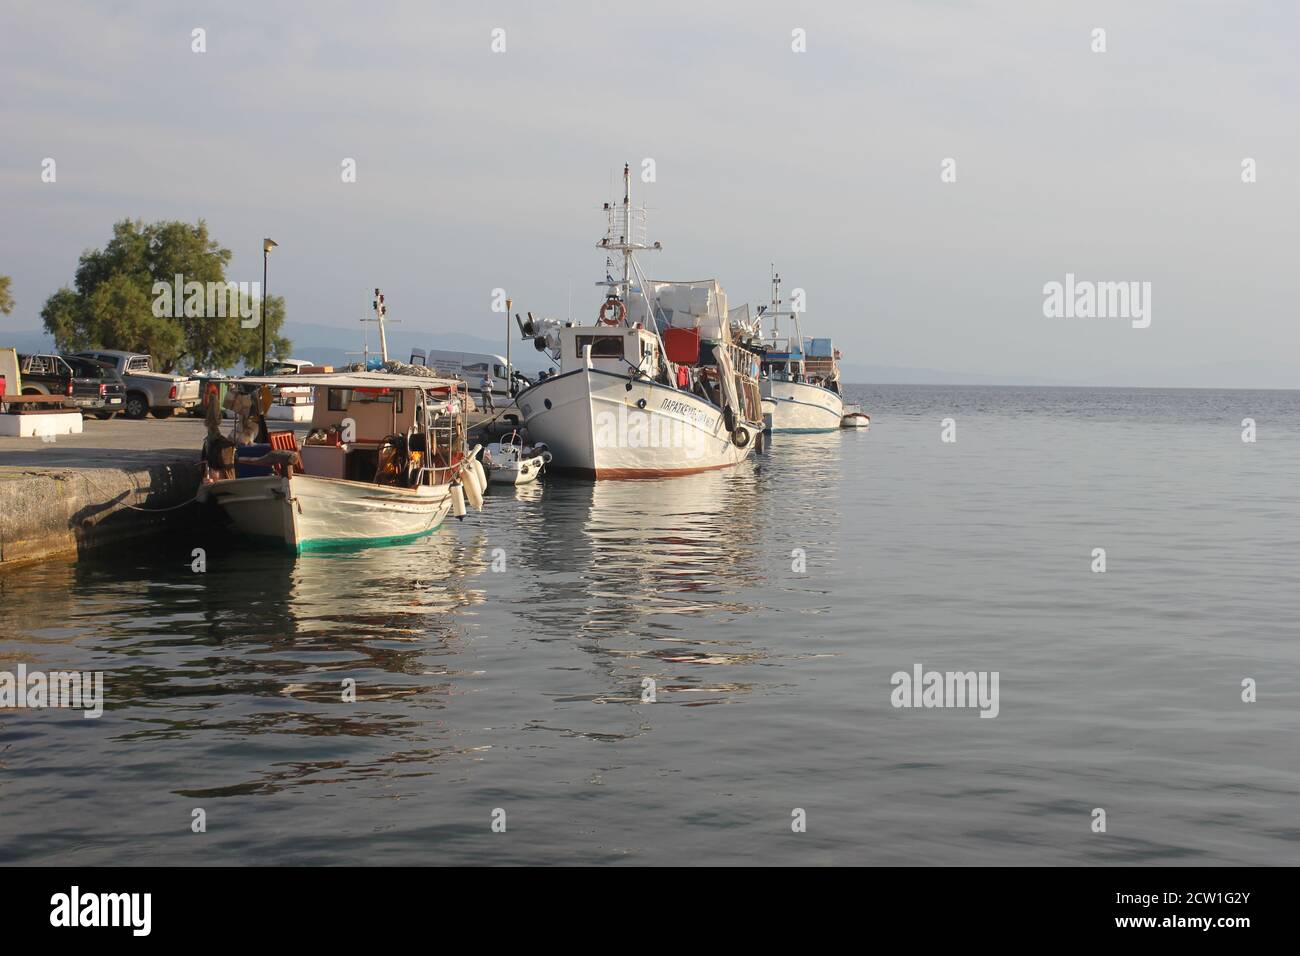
(242, 669)
(634, 574)
(259, 644)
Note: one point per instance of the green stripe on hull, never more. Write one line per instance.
(332, 544)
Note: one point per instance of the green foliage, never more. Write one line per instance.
(277, 346)
(6, 297)
(112, 302)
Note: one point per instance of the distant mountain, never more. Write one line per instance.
(26, 340)
(332, 345)
(899, 375)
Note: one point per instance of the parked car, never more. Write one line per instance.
(146, 390)
(112, 390)
(91, 386)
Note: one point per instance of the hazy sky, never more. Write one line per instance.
(478, 170)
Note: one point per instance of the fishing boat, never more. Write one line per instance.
(663, 382)
(511, 462)
(800, 376)
(385, 460)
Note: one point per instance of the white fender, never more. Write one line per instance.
(472, 490)
(457, 501)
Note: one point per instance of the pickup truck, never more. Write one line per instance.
(146, 390)
(91, 386)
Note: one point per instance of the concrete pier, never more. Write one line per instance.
(82, 491)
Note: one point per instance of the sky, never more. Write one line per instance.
(478, 170)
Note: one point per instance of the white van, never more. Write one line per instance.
(467, 365)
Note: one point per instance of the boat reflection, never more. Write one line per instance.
(262, 671)
(649, 578)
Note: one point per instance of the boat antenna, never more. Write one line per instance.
(365, 352)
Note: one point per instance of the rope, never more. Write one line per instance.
(188, 501)
(489, 421)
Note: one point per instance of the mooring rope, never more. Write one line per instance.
(188, 501)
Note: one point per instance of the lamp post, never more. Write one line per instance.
(267, 246)
(510, 371)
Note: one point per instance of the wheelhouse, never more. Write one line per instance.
(690, 364)
(360, 418)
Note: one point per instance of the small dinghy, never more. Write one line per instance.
(855, 417)
(510, 462)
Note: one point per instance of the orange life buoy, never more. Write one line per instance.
(603, 317)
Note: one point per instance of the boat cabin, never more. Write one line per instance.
(362, 422)
(813, 361)
(690, 364)
(610, 348)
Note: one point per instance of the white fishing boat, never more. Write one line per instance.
(510, 462)
(385, 460)
(662, 383)
(800, 378)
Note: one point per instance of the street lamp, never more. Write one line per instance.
(267, 246)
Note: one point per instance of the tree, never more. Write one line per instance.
(277, 346)
(113, 303)
(6, 297)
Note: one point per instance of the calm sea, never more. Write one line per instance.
(500, 665)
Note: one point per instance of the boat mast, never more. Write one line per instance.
(795, 347)
(627, 229)
(631, 237)
(625, 234)
(381, 313)
(776, 301)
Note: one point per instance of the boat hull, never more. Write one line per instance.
(596, 426)
(515, 473)
(802, 407)
(308, 513)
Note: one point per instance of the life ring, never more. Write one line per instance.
(602, 316)
(741, 436)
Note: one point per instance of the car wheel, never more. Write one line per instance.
(135, 407)
(163, 412)
(104, 416)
